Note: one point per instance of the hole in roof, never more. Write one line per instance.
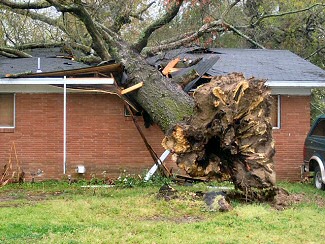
(203, 50)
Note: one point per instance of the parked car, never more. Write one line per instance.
(314, 152)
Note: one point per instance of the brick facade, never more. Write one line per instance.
(289, 139)
(101, 138)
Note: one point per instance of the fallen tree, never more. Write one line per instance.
(229, 131)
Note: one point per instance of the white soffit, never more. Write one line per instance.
(48, 85)
(56, 81)
(294, 87)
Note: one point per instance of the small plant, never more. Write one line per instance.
(127, 180)
(95, 180)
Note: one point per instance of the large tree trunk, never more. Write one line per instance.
(226, 131)
(165, 102)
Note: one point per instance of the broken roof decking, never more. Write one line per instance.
(281, 68)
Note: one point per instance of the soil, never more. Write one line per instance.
(8, 198)
(284, 200)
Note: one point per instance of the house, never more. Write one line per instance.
(96, 134)
(99, 136)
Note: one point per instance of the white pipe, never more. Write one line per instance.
(39, 66)
(64, 126)
(155, 166)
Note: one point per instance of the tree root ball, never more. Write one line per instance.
(229, 133)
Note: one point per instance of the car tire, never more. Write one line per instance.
(318, 183)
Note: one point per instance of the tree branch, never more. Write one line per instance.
(315, 52)
(15, 52)
(23, 5)
(229, 8)
(238, 32)
(285, 13)
(125, 18)
(39, 45)
(78, 10)
(165, 19)
(216, 25)
(138, 15)
(40, 17)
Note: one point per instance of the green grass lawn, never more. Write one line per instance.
(59, 213)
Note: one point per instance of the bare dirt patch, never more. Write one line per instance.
(11, 198)
(284, 200)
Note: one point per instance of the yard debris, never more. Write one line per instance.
(284, 199)
(216, 201)
(167, 192)
(9, 173)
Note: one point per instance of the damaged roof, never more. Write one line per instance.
(51, 59)
(271, 65)
(29, 65)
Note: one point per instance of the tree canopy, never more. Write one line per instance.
(150, 27)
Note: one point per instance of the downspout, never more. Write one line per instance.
(64, 125)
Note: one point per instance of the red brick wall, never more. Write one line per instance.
(98, 136)
(289, 139)
(102, 139)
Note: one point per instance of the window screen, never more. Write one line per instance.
(7, 104)
(275, 112)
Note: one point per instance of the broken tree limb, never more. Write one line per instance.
(186, 78)
(132, 88)
(228, 133)
(170, 66)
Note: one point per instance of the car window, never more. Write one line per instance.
(319, 130)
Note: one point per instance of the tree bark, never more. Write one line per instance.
(165, 102)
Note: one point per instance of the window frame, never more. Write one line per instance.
(14, 112)
(278, 126)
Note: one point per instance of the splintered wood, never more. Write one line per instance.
(170, 66)
(229, 133)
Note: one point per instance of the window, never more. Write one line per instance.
(275, 112)
(7, 110)
(319, 129)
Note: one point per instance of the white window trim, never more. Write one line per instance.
(279, 114)
(14, 116)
